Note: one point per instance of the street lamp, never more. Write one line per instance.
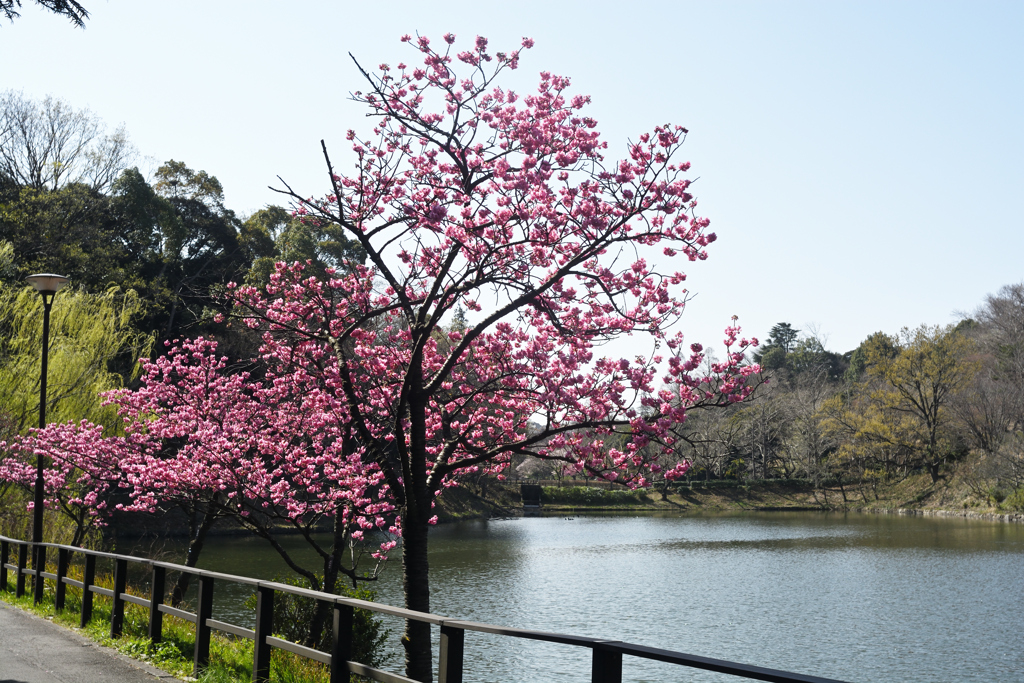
(47, 284)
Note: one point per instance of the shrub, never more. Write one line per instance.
(586, 495)
(1014, 502)
(293, 614)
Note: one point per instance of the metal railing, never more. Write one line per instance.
(607, 655)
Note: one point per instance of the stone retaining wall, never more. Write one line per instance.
(1013, 517)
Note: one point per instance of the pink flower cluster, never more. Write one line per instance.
(194, 430)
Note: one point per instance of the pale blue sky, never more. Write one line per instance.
(857, 160)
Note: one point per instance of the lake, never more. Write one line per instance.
(855, 597)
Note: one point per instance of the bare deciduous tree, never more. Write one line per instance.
(992, 408)
(48, 144)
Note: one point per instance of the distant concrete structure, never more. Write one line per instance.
(531, 494)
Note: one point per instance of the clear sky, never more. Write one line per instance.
(857, 159)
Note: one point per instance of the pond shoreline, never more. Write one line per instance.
(913, 496)
(500, 500)
(1010, 518)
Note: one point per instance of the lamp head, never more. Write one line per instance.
(47, 284)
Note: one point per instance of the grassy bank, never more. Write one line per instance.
(955, 494)
(713, 496)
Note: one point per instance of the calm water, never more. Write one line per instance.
(855, 597)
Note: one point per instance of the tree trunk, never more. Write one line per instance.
(415, 581)
(415, 512)
(331, 566)
(195, 546)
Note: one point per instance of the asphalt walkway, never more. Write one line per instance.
(34, 650)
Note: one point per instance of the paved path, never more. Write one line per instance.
(33, 650)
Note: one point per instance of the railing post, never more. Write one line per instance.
(88, 577)
(264, 628)
(60, 590)
(156, 598)
(120, 585)
(39, 562)
(341, 642)
(19, 584)
(449, 668)
(204, 611)
(606, 667)
(5, 551)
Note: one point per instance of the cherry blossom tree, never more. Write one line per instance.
(265, 451)
(80, 476)
(176, 447)
(468, 194)
(214, 443)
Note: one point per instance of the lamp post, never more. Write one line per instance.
(47, 284)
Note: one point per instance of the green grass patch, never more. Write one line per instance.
(592, 496)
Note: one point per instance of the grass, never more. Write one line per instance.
(230, 661)
(590, 496)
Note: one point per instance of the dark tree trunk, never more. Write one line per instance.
(415, 512)
(415, 581)
(197, 538)
(331, 569)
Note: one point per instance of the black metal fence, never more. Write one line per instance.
(607, 657)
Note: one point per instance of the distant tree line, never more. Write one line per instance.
(920, 400)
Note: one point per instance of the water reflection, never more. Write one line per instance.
(855, 597)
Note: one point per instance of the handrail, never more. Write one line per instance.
(607, 654)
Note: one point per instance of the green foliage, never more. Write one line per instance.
(175, 180)
(174, 242)
(97, 240)
(73, 231)
(459, 322)
(93, 348)
(293, 614)
(784, 350)
(782, 336)
(808, 355)
(773, 358)
(858, 364)
(1013, 502)
(274, 235)
(7, 267)
(880, 347)
(900, 416)
(592, 496)
(257, 233)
